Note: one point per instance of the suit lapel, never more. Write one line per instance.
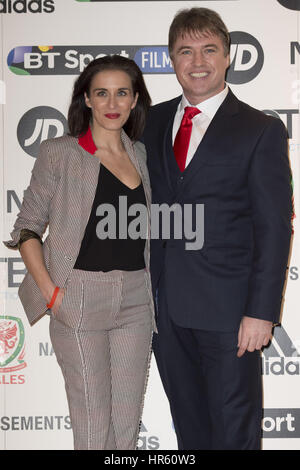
(168, 152)
(212, 142)
(167, 139)
(147, 190)
(130, 150)
(132, 155)
(90, 167)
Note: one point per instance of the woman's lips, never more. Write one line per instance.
(112, 115)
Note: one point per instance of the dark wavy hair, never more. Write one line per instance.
(80, 115)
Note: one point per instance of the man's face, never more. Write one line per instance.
(200, 66)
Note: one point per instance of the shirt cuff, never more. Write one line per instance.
(26, 234)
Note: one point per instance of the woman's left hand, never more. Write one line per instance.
(58, 301)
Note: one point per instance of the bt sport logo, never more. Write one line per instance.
(247, 58)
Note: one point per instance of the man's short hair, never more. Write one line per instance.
(195, 21)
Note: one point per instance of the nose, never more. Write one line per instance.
(198, 58)
(112, 102)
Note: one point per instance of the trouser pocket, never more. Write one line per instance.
(70, 309)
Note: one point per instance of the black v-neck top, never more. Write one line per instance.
(98, 254)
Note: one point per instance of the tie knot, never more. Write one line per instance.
(190, 112)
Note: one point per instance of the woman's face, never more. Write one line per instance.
(111, 99)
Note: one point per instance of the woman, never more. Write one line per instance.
(97, 290)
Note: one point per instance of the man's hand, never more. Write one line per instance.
(253, 334)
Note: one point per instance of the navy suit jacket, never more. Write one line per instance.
(241, 173)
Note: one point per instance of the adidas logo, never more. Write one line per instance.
(282, 356)
(26, 6)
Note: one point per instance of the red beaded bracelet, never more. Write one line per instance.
(53, 297)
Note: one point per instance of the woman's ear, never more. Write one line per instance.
(87, 100)
(135, 100)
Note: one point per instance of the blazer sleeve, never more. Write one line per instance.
(34, 213)
(270, 190)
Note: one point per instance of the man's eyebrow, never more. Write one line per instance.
(183, 47)
(211, 45)
(191, 47)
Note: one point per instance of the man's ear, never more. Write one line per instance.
(228, 60)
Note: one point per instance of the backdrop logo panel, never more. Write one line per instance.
(295, 49)
(146, 442)
(35, 423)
(247, 58)
(12, 348)
(294, 274)
(38, 124)
(154, 59)
(290, 117)
(71, 60)
(15, 266)
(290, 4)
(82, 1)
(27, 6)
(282, 356)
(246, 52)
(281, 423)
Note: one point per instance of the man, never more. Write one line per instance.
(216, 305)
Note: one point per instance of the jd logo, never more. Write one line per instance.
(290, 4)
(247, 58)
(11, 344)
(38, 124)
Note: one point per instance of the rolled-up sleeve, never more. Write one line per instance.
(34, 213)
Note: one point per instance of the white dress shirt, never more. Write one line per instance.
(201, 121)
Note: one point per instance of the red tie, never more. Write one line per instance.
(182, 139)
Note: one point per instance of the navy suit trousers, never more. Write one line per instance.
(215, 397)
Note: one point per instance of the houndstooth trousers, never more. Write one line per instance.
(101, 336)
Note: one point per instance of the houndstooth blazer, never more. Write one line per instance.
(60, 195)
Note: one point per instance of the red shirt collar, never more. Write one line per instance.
(86, 142)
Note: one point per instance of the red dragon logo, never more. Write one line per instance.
(8, 336)
(12, 349)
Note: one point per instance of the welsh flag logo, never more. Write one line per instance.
(12, 344)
